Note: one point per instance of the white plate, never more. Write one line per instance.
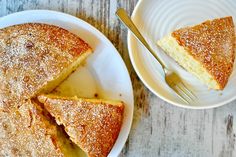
(156, 18)
(104, 72)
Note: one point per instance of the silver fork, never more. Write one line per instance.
(171, 78)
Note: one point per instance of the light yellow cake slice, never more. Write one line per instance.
(206, 50)
(93, 124)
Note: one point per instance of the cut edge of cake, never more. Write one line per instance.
(58, 135)
(65, 73)
(42, 98)
(171, 46)
(30, 131)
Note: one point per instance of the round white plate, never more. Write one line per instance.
(156, 18)
(104, 73)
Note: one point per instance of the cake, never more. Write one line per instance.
(92, 124)
(35, 58)
(206, 50)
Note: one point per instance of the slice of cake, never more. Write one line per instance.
(35, 58)
(92, 124)
(29, 131)
(206, 50)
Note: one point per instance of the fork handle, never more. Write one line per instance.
(126, 20)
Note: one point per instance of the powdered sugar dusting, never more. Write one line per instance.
(213, 44)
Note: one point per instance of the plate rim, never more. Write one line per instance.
(137, 6)
(120, 146)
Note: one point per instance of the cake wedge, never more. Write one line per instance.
(30, 131)
(206, 50)
(92, 124)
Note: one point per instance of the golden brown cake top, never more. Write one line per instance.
(27, 131)
(31, 55)
(212, 43)
(93, 125)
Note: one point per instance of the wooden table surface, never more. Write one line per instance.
(159, 128)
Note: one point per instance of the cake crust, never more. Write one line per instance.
(92, 124)
(212, 43)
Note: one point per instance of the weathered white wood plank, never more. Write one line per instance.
(159, 129)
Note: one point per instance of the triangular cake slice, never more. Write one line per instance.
(29, 131)
(206, 50)
(92, 124)
(35, 58)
